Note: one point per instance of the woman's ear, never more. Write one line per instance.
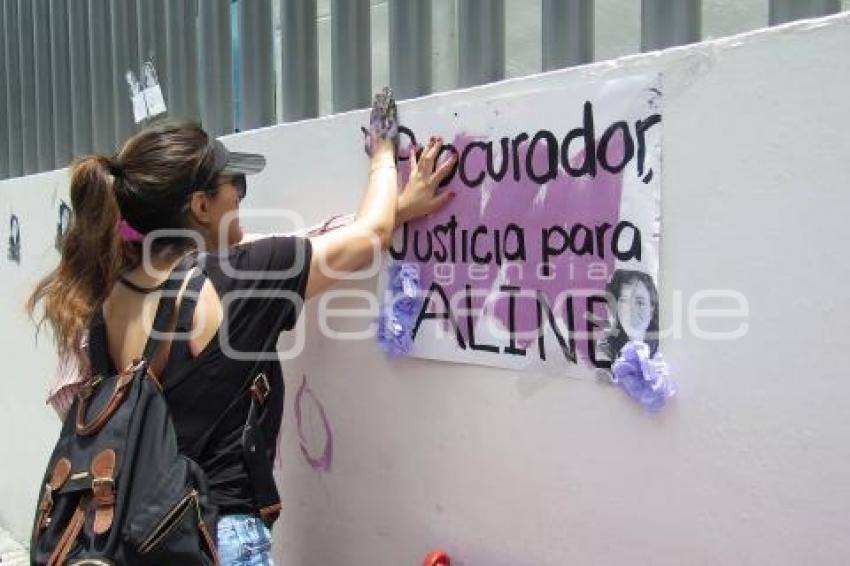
(200, 208)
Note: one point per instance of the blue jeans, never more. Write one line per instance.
(243, 540)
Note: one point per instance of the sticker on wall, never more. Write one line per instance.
(63, 225)
(154, 101)
(314, 429)
(140, 109)
(14, 239)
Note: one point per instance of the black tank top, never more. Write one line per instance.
(261, 285)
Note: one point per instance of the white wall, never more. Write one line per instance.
(29, 426)
(748, 465)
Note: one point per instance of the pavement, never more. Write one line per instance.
(12, 553)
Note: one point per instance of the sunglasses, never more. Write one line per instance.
(241, 185)
(239, 182)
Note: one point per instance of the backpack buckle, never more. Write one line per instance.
(260, 388)
(135, 365)
(97, 482)
(87, 429)
(58, 477)
(89, 386)
(103, 490)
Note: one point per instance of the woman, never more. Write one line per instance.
(173, 177)
(633, 302)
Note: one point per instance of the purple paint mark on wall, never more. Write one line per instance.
(314, 429)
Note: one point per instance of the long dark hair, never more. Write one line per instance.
(147, 184)
(618, 337)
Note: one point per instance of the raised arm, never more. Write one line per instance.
(356, 246)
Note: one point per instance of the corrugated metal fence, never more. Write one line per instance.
(64, 64)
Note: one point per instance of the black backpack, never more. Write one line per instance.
(117, 490)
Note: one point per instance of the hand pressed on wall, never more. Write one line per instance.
(419, 197)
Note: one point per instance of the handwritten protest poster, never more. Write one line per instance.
(548, 257)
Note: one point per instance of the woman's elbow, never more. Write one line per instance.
(380, 235)
(384, 236)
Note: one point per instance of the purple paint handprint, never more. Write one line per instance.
(383, 122)
(314, 429)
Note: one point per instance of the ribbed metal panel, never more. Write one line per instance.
(410, 47)
(481, 51)
(43, 85)
(182, 59)
(60, 65)
(568, 28)
(4, 121)
(256, 65)
(665, 23)
(351, 58)
(782, 11)
(29, 138)
(299, 59)
(80, 63)
(102, 87)
(215, 66)
(13, 88)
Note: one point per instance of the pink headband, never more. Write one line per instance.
(128, 233)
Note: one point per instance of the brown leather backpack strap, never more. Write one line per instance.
(125, 378)
(270, 513)
(66, 542)
(208, 539)
(103, 490)
(58, 477)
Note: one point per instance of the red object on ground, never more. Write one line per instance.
(436, 558)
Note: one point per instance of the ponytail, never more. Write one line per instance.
(147, 184)
(93, 254)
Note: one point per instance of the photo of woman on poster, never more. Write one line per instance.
(633, 307)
